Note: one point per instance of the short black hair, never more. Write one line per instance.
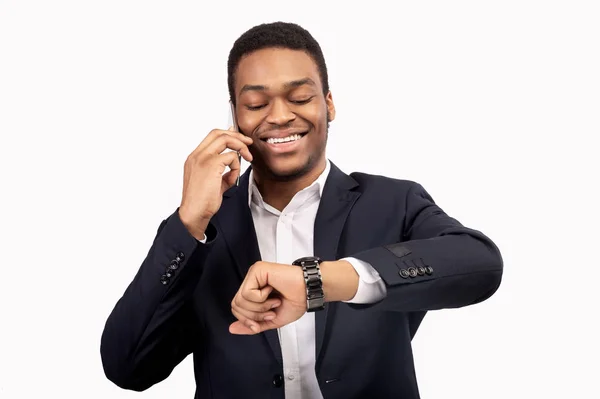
(275, 35)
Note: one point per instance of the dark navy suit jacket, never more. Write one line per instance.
(427, 260)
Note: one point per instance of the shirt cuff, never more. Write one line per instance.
(371, 287)
(203, 241)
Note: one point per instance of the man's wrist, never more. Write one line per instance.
(340, 280)
(313, 283)
(197, 229)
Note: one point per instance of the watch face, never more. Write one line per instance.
(306, 259)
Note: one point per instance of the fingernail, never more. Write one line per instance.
(269, 317)
(275, 305)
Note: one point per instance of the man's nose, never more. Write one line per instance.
(280, 113)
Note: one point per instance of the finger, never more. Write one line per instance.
(240, 328)
(231, 160)
(215, 134)
(249, 324)
(232, 143)
(246, 315)
(238, 134)
(224, 143)
(230, 178)
(240, 302)
(255, 294)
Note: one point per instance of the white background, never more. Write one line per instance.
(492, 106)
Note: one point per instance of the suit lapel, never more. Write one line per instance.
(336, 202)
(235, 221)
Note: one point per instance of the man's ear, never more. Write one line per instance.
(330, 106)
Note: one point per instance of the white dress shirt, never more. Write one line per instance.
(284, 237)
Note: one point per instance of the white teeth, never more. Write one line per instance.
(293, 137)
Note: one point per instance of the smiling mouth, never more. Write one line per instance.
(289, 139)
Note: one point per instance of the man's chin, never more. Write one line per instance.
(287, 171)
(287, 174)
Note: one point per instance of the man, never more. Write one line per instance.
(301, 281)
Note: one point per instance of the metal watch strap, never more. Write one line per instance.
(315, 299)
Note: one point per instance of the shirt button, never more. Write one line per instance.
(291, 377)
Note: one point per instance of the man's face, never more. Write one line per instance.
(281, 106)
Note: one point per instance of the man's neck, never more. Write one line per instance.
(278, 194)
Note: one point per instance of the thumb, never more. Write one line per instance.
(258, 285)
(265, 292)
(259, 293)
(230, 178)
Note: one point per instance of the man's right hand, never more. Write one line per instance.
(203, 180)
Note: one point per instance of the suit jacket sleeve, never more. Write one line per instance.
(455, 266)
(151, 327)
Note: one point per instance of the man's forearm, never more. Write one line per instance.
(340, 280)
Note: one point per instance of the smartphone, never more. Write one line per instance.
(235, 127)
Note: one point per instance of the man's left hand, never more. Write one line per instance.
(271, 296)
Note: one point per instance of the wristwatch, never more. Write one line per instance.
(315, 299)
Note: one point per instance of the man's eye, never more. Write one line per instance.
(302, 101)
(255, 107)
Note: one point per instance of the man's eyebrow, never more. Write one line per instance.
(253, 88)
(287, 85)
(299, 82)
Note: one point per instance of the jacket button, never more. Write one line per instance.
(412, 272)
(403, 273)
(180, 256)
(164, 279)
(429, 270)
(421, 270)
(174, 265)
(277, 380)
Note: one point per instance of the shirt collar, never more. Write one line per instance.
(317, 184)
